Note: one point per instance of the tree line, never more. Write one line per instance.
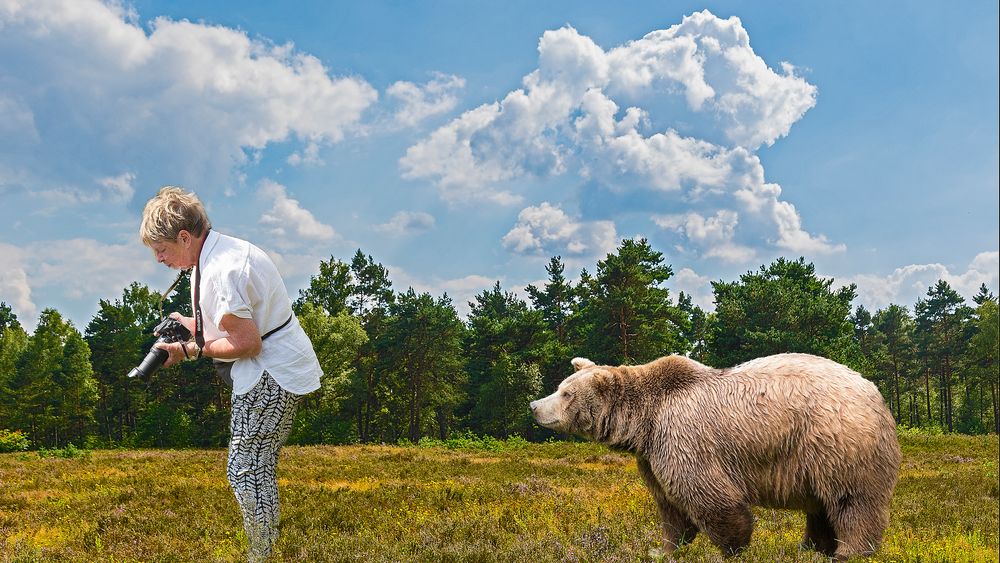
(404, 365)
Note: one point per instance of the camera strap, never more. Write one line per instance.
(164, 295)
(199, 332)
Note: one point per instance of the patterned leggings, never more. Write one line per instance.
(262, 419)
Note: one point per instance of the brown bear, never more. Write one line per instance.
(786, 431)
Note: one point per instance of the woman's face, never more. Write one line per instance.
(175, 254)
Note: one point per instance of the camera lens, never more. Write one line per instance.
(152, 362)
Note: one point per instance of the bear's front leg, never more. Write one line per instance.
(819, 533)
(677, 528)
(718, 507)
(729, 526)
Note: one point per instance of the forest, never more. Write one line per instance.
(401, 366)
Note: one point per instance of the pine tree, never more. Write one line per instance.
(370, 301)
(420, 354)
(894, 331)
(941, 322)
(555, 300)
(628, 313)
(336, 341)
(982, 357)
(119, 336)
(53, 383)
(330, 289)
(505, 343)
(984, 295)
(784, 307)
(13, 341)
(695, 329)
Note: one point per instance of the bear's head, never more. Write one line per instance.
(579, 402)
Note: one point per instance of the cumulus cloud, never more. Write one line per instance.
(714, 234)
(118, 188)
(188, 100)
(697, 286)
(417, 102)
(447, 155)
(461, 290)
(405, 223)
(601, 116)
(17, 121)
(308, 155)
(709, 60)
(908, 283)
(14, 287)
(109, 189)
(69, 271)
(287, 218)
(547, 230)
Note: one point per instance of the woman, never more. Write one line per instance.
(243, 317)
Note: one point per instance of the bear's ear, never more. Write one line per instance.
(581, 363)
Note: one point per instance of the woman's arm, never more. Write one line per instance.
(243, 342)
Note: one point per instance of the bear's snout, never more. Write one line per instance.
(544, 412)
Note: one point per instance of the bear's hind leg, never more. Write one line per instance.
(819, 533)
(677, 528)
(858, 524)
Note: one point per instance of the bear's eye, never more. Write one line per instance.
(567, 394)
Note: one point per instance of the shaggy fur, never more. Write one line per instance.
(786, 431)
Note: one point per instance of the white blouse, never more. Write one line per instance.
(239, 279)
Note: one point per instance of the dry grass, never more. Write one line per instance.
(538, 502)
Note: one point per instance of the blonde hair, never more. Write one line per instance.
(170, 211)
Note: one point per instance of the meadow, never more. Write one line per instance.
(463, 500)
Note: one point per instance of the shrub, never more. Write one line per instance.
(13, 441)
(69, 452)
(469, 441)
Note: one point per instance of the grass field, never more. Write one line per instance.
(511, 501)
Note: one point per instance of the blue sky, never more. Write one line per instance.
(460, 143)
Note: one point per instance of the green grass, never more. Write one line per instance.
(445, 501)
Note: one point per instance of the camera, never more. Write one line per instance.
(170, 330)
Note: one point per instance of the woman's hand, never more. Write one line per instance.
(188, 322)
(175, 352)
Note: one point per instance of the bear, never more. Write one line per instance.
(792, 431)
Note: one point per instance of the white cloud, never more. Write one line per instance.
(547, 230)
(714, 235)
(14, 287)
(118, 188)
(287, 217)
(697, 286)
(417, 102)
(75, 270)
(447, 154)
(461, 290)
(908, 283)
(295, 266)
(590, 112)
(710, 60)
(792, 237)
(107, 190)
(16, 120)
(309, 155)
(185, 99)
(406, 223)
